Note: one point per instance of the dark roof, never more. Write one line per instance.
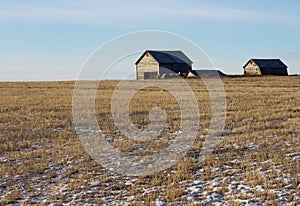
(206, 73)
(268, 63)
(168, 57)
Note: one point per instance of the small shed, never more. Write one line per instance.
(265, 67)
(203, 73)
(162, 64)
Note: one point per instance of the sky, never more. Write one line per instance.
(42, 40)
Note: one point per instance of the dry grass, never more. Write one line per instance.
(42, 160)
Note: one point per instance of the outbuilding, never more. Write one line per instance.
(162, 64)
(265, 67)
(203, 73)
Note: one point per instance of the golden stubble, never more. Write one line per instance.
(37, 138)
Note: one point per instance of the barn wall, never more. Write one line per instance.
(176, 68)
(279, 72)
(252, 69)
(146, 64)
(183, 68)
(190, 75)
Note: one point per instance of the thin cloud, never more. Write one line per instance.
(98, 12)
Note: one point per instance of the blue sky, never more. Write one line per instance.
(50, 40)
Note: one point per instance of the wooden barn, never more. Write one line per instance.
(265, 67)
(203, 73)
(162, 64)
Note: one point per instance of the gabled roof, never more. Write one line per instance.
(167, 57)
(268, 63)
(206, 73)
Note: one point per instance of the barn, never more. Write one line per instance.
(162, 64)
(203, 73)
(265, 67)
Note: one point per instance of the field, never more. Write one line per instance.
(257, 161)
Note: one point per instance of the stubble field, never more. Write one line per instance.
(257, 161)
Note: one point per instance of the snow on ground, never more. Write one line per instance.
(228, 186)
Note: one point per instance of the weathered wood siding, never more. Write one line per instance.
(252, 69)
(190, 75)
(146, 64)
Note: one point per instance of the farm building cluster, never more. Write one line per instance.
(175, 64)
